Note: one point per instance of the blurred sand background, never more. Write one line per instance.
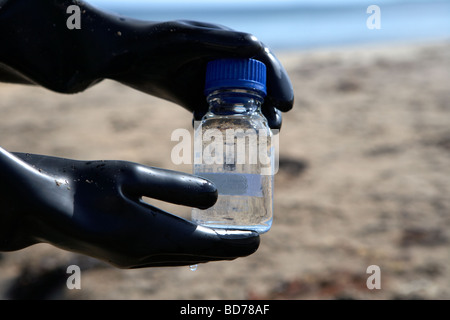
(364, 180)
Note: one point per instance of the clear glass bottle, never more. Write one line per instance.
(233, 147)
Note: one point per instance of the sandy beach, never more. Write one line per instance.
(364, 180)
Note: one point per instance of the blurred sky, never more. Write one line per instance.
(293, 24)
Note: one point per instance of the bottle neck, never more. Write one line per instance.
(234, 101)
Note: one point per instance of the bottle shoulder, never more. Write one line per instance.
(232, 102)
(236, 121)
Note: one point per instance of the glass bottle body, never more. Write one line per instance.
(233, 149)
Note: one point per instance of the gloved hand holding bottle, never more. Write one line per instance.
(164, 59)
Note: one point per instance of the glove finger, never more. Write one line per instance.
(273, 117)
(182, 242)
(202, 24)
(280, 93)
(170, 186)
(210, 40)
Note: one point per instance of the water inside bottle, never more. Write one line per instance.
(241, 204)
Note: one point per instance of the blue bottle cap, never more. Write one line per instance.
(236, 73)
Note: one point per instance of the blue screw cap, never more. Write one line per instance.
(236, 73)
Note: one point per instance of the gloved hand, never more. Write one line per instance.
(163, 59)
(95, 208)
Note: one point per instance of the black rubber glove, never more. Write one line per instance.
(95, 208)
(164, 59)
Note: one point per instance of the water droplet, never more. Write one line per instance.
(193, 267)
